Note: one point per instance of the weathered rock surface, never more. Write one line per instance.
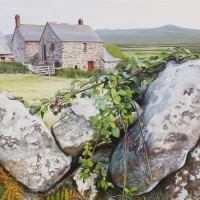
(88, 188)
(74, 128)
(103, 157)
(171, 129)
(27, 148)
(184, 184)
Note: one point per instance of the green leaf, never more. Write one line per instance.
(150, 79)
(117, 99)
(126, 190)
(71, 87)
(133, 189)
(125, 75)
(27, 104)
(75, 81)
(90, 163)
(111, 118)
(114, 92)
(135, 88)
(93, 80)
(103, 183)
(93, 119)
(128, 105)
(116, 132)
(103, 78)
(44, 109)
(83, 95)
(67, 97)
(136, 80)
(88, 92)
(86, 171)
(36, 104)
(122, 92)
(112, 124)
(82, 83)
(42, 114)
(103, 173)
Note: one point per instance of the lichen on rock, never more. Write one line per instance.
(171, 118)
(27, 148)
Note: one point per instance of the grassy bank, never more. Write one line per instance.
(30, 86)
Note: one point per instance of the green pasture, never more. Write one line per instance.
(30, 86)
(146, 51)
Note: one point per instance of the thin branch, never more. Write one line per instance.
(144, 145)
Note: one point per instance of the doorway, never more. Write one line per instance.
(90, 66)
(44, 53)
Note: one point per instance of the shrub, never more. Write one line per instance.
(13, 68)
(9, 189)
(115, 52)
(77, 73)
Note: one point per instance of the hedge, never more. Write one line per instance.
(13, 68)
(77, 73)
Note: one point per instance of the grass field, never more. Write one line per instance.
(31, 86)
(144, 51)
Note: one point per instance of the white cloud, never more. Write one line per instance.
(102, 13)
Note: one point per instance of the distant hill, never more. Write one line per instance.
(168, 34)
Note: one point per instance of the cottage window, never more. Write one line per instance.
(85, 47)
(3, 59)
(52, 47)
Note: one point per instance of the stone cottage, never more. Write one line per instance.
(59, 45)
(25, 41)
(5, 52)
(108, 61)
(71, 45)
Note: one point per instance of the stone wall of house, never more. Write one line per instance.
(18, 47)
(6, 58)
(31, 49)
(109, 65)
(49, 38)
(73, 54)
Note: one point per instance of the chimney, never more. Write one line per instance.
(17, 21)
(80, 21)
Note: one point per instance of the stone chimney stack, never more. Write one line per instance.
(80, 21)
(17, 21)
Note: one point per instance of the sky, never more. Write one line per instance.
(102, 14)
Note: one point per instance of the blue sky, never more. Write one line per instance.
(102, 13)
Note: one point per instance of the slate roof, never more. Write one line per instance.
(74, 33)
(31, 32)
(108, 58)
(4, 49)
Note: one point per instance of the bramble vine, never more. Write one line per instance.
(115, 93)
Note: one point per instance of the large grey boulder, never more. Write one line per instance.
(27, 148)
(171, 129)
(184, 184)
(74, 128)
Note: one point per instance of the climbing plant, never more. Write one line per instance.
(114, 92)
